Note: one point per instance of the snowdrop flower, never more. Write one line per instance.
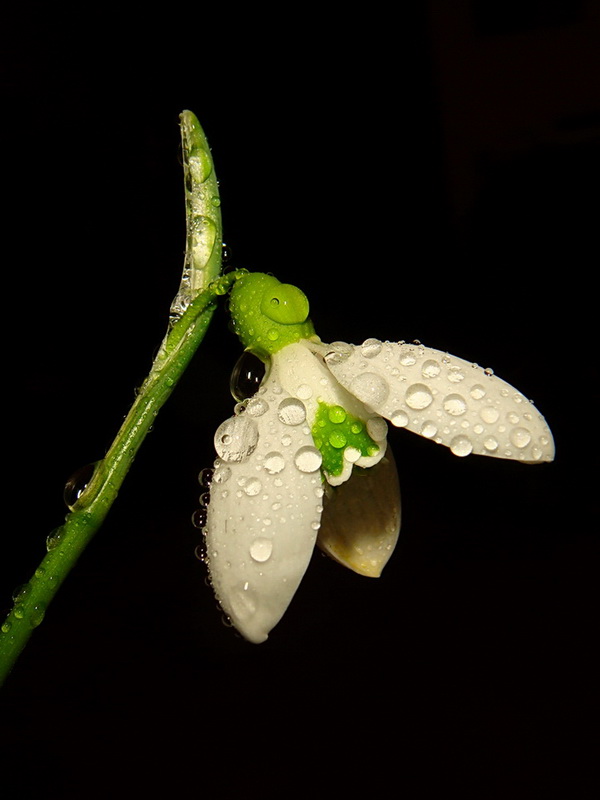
(305, 460)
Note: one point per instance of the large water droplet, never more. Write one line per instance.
(520, 437)
(371, 348)
(76, 484)
(399, 418)
(246, 376)
(236, 438)
(418, 396)
(431, 368)
(429, 429)
(261, 549)
(370, 388)
(377, 428)
(455, 405)
(461, 445)
(336, 414)
(308, 459)
(291, 411)
(199, 164)
(274, 463)
(489, 414)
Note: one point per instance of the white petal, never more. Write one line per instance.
(361, 520)
(444, 398)
(264, 511)
(305, 377)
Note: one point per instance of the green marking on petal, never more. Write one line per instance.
(334, 430)
(268, 315)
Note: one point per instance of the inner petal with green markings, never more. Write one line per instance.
(342, 438)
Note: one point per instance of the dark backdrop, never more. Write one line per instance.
(357, 158)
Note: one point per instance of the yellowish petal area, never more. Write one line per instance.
(361, 519)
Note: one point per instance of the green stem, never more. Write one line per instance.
(67, 542)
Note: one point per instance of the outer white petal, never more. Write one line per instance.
(444, 398)
(361, 520)
(264, 511)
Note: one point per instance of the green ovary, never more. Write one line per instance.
(334, 430)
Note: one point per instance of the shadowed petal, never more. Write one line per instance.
(361, 520)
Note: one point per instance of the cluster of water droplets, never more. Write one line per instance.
(264, 508)
(444, 398)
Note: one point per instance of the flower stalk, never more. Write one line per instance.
(191, 313)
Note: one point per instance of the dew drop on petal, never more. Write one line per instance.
(489, 414)
(377, 428)
(461, 445)
(399, 418)
(490, 444)
(431, 368)
(429, 429)
(352, 454)
(455, 405)
(274, 463)
(477, 391)
(252, 487)
(308, 459)
(520, 437)
(370, 388)
(256, 407)
(371, 348)
(418, 396)
(236, 438)
(291, 411)
(261, 549)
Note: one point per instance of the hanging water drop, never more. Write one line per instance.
(76, 484)
(246, 376)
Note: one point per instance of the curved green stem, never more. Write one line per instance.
(67, 542)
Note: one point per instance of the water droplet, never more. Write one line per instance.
(371, 348)
(223, 474)
(431, 368)
(340, 351)
(53, 538)
(399, 418)
(291, 411)
(304, 391)
(205, 477)
(308, 459)
(407, 359)
(246, 376)
(491, 444)
(274, 463)
(256, 407)
(455, 405)
(461, 445)
(370, 388)
(477, 391)
(252, 486)
(512, 417)
(377, 428)
(76, 485)
(261, 549)
(286, 440)
(199, 164)
(489, 414)
(418, 396)
(428, 429)
(455, 375)
(352, 454)
(520, 437)
(236, 438)
(337, 439)
(337, 414)
(488, 371)
(536, 453)
(199, 518)
(37, 614)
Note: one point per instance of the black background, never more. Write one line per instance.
(470, 664)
